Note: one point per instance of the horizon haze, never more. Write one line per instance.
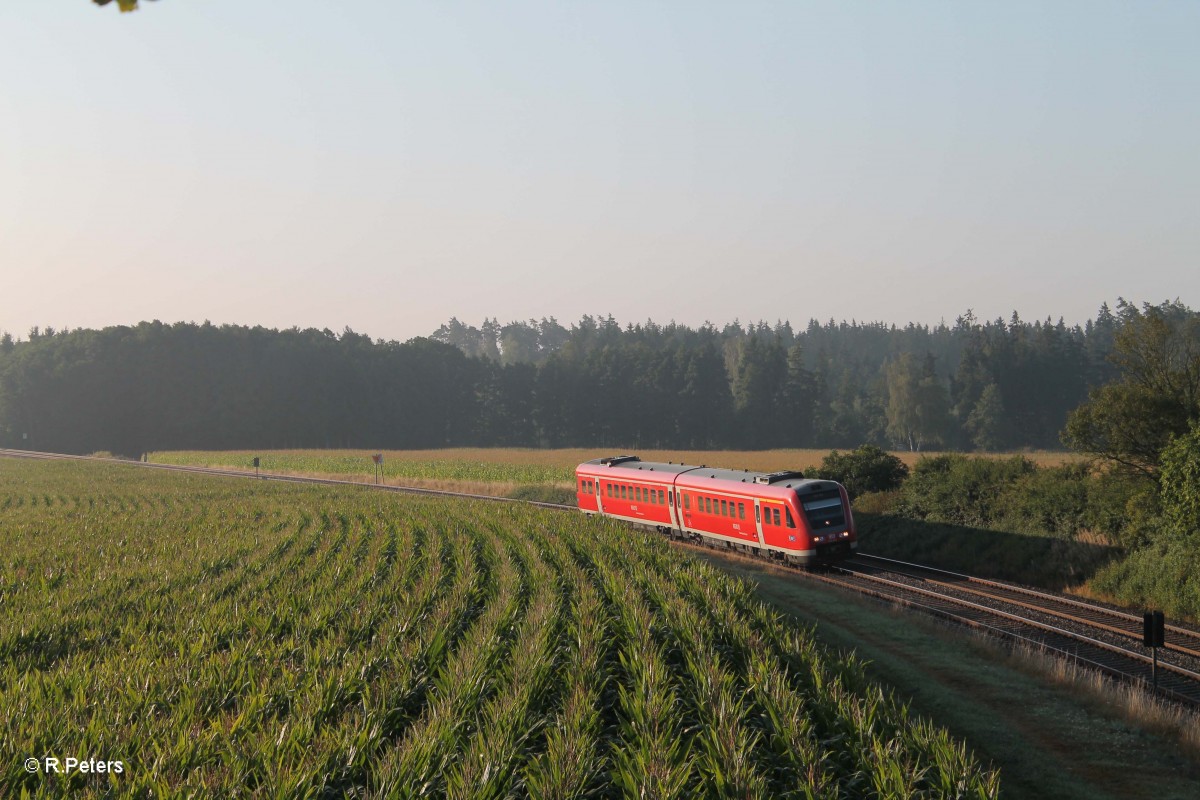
(388, 166)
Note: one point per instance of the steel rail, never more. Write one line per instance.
(1039, 594)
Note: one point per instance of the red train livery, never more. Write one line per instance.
(780, 513)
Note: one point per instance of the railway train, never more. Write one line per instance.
(780, 514)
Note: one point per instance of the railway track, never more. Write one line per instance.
(1090, 634)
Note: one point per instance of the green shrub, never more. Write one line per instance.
(867, 469)
(1124, 507)
(1165, 574)
(877, 502)
(960, 490)
(1051, 500)
(1180, 483)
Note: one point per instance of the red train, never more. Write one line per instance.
(780, 513)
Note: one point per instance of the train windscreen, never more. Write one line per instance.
(824, 509)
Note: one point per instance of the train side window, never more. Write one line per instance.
(724, 508)
(610, 489)
(708, 505)
(741, 510)
(774, 516)
(791, 523)
(623, 491)
(687, 502)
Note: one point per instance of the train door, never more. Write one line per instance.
(672, 499)
(758, 522)
(599, 497)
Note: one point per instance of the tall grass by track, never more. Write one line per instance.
(247, 639)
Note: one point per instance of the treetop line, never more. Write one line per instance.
(993, 386)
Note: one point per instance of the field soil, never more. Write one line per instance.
(1048, 741)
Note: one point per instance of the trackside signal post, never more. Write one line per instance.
(256, 466)
(1154, 630)
(378, 459)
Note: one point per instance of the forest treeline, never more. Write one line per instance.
(998, 385)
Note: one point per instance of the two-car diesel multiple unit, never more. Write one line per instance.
(780, 513)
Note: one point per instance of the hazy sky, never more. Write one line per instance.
(387, 165)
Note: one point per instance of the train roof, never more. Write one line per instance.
(697, 472)
(633, 462)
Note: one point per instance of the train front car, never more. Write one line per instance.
(825, 509)
(780, 514)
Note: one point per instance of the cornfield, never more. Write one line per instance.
(250, 639)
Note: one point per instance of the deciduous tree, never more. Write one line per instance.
(1131, 421)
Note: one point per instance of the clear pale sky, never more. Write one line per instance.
(387, 165)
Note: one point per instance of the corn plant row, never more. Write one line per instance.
(259, 640)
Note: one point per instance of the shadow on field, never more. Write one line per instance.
(1045, 561)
